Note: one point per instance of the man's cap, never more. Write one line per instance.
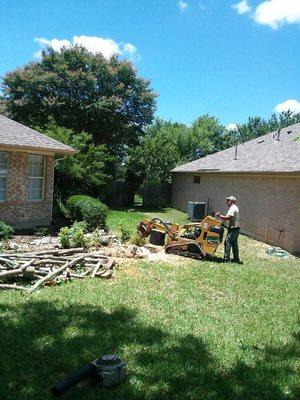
(231, 198)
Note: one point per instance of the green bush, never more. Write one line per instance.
(125, 233)
(138, 240)
(87, 209)
(59, 209)
(6, 231)
(95, 239)
(64, 237)
(40, 230)
(73, 236)
(77, 231)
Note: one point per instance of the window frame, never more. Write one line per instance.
(196, 179)
(5, 176)
(43, 178)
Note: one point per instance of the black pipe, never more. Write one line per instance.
(72, 380)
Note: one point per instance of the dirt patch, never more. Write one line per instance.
(161, 256)
(31, 243)
(125, 252)
(130, 269)
(148, 252)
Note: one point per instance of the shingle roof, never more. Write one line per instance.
(15, 135)
(263, 154)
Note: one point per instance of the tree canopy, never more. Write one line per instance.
(83, 92)
(85, 172)
(105, 110)
(257, 126)
(167, 144)
(152, 160)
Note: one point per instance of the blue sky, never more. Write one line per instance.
(231, 59)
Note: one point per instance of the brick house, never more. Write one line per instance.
(26, 174)
(264, 175)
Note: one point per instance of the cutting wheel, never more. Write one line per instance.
(191, 250)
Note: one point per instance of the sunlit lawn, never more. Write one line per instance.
(131, 219)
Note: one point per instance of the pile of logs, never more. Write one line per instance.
(50, 267)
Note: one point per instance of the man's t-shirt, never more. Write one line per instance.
(233, 212)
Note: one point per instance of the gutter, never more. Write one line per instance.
(15, 147)
(219, 172)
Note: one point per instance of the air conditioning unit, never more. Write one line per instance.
(196, 210)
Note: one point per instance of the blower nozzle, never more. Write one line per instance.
(108, 369)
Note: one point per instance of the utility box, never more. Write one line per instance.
(196, 210)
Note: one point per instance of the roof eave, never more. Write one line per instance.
(14, 147)
(234, 172)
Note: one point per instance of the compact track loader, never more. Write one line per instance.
(196, 240)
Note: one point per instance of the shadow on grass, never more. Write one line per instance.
(41, 342)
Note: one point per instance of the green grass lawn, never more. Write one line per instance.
(131, 219)
(196, 330)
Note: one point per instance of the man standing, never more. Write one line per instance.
(231, 240)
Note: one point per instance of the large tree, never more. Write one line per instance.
(208, 136)
(88, 171)
(152, 160)
(167, 144)
(83, 92)
(257, 126)
(176, 133)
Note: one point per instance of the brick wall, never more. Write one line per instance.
(267, 203)
(17, 210)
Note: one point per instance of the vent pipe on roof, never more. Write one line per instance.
(277, 135)
(289, 132)
(236, 151)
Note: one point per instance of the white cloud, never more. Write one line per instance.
(183, 6)
(231, 127)
(276, 13)
(55, 44)
(38, 54)
(108, 47)
(130, 48)
(288, 105)
(242, 7)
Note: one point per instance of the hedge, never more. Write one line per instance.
(88, 209)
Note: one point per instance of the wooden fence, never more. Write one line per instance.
(156, 195)
(120, 194)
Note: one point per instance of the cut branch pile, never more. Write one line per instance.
(50, 267)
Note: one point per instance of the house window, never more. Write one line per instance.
(3, 175)
(36, 167)
(196, 179)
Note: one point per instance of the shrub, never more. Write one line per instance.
(73, 236)
(6, 231)
(95, 238)
(77, 231)
(139, 240)
(125, 233)
(41, 230)
(59, 209)
(87, 209)
(64, 237)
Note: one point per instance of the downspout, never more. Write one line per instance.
(56, 160)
